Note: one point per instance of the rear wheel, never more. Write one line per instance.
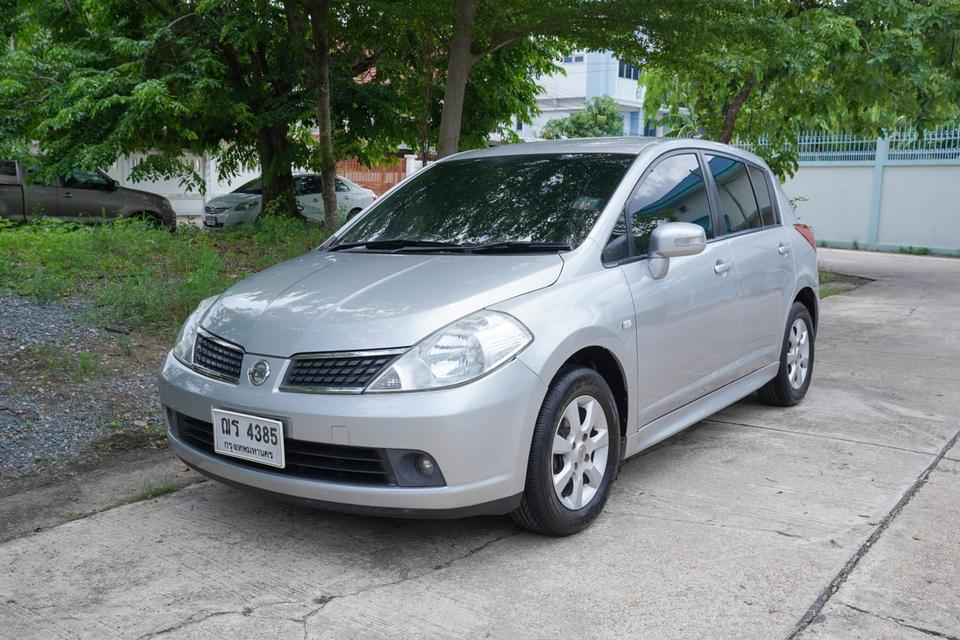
(796, 361)
(352, 213)
(574, 455)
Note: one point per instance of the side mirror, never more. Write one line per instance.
(673, 240)
(112, 185)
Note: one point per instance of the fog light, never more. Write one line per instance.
(425, 465)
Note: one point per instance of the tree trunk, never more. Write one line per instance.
(328, 162)
(428, 62)
(275, 172)
(733, 109)
(458, 69)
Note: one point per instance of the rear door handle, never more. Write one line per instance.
(67, 195)
(783, 249)
(722, 267)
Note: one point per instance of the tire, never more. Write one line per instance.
(352, 213)
(542, 508)
(793, 378)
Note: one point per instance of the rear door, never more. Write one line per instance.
(39, 199)
(686, 322)
(88, 194)
(761, 250)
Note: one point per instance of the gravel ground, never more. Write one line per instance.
(57, 403)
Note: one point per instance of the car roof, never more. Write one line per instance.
(633, 145)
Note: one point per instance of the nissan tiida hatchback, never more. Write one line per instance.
(500, 331)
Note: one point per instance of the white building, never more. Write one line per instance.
(589, 74)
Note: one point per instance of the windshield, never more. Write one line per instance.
(525, 198)
(253, 187)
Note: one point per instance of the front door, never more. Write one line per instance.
(309, 190)
(686, 322)
(88, 194)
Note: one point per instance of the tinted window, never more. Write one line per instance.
(253, 187)
(536, 198)
(738, 207)
(761, 188)
(308, 185)
(342, 186)
(673, 191)
(86, 180)
(8, 168)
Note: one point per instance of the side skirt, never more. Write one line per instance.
(679, 419)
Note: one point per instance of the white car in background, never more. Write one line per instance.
(244, 203)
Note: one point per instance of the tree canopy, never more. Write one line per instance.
(863, 67)
(300, 83)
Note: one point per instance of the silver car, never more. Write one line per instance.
(500, 331)
(244, 203)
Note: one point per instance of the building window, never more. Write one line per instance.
(567, 59)
(578, 57)
(519, 126)
(628, 71)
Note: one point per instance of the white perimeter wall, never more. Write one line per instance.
(919, 204)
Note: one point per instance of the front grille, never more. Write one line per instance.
(209, 209)
(217, 358)
(343, 371)
(311, 460)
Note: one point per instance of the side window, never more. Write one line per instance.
(342, 186)
(8, 168)
(674, 191)
(309, 185)
(761, 187)
(738, 206)
(86, 180)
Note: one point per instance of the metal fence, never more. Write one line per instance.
(942, 143)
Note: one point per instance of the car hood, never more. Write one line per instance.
(231, 199)
(344, 301)
(137, 193)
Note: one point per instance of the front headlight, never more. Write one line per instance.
(183, 348)
(465, 350)
(244, 206)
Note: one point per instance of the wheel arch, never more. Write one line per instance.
(604, 362)
(808, 298)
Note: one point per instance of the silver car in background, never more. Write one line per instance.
(244, 203)
(500, 331)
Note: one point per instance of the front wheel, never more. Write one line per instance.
(796, 361)
(574, 455)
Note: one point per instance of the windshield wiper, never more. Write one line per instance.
(398, 244)
(520, 246)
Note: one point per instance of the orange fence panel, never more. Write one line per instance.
(379, 178)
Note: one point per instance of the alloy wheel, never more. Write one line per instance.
(798, 353)
(581, 444)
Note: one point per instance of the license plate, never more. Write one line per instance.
(248, 437)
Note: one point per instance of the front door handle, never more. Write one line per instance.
(783, 249)
(722, 267)
(67, 195)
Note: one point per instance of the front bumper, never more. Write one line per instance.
(479, 434)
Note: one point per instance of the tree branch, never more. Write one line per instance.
(733, 109)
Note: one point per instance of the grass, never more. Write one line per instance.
(917, 251)
(153, 492)
(137, 276)
(833, 283)
(56, 363)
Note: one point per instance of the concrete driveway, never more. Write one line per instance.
(834, 519)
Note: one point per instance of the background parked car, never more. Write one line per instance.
(82, 196)
(244, 203)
